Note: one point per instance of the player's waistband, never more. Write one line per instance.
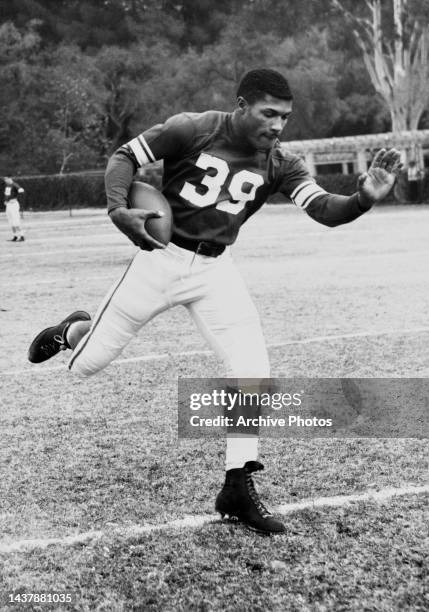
(209, 249)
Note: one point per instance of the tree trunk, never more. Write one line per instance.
(398, 68)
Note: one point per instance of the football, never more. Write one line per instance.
(143, 195)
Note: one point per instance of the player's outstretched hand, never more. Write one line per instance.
(375, 184)
(131, 222)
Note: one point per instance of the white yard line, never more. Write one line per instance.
(342, 500)
(72, 239)
(363, 334)
(69, 252)
(64, 280)
(196, 521)
(36, 370)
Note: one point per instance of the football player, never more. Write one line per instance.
(11, 190)
(219, 169)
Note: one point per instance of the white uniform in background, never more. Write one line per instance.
(11, 191)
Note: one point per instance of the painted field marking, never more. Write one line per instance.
(363, 334)
(192, 353)
(342, 500)
(57, 280)
(91, 237)
(40, 228)
(196, 521)
(74, 251)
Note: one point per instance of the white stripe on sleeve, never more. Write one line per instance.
(305, 193)
(141, 150)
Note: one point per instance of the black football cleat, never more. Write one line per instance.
(52, 340)
(238, 500)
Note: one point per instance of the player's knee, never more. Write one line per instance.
(82, 368)
(80, 371)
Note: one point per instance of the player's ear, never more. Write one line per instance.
(242, 103)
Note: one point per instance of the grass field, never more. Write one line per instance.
(93, 475)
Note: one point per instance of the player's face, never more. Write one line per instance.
(263, 121)
(8, 180)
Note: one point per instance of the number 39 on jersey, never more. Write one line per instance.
(242, 186)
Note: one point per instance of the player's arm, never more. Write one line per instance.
(131, 222)
(17, 187)
(161, 141)
(333, 209)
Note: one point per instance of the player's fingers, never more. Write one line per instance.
(377, 161)
(391, 158)
(397, 167)
(154, 214)
(141, 241)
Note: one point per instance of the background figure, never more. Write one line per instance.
(11, 191)
(413, 181)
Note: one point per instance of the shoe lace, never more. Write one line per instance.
(263, 511)
(48, 347)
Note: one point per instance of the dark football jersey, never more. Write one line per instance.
(213, 181)
(11, 192)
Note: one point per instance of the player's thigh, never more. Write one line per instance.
(136, 298)
(228, 319)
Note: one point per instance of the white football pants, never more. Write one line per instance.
(12, 213)
(212, 290)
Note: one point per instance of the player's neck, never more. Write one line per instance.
(239, 133)
(240, 136)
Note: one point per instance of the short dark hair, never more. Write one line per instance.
(258, 83)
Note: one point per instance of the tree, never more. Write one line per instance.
(17, 52)
(51, 117)
(126, 76)
(209, 79)
(85, 23)
(396, 55)
(284, 19)
(71, 102)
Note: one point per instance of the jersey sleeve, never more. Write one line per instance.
(325, 208)
(297, 183)
(162, 141)
(332, 209)
(167, 140)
